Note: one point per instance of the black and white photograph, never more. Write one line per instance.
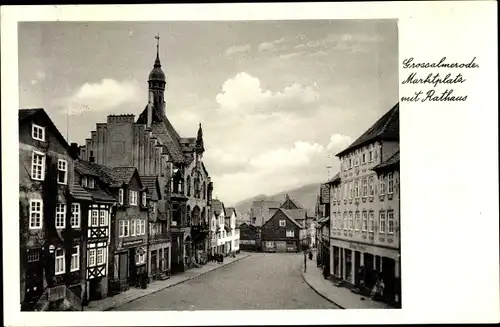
(231, 165)
(174, 169)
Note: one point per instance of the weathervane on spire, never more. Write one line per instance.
(157, 37)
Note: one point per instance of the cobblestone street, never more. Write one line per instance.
(261, 281)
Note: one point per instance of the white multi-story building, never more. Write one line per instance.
(365, 210)
(233, 237)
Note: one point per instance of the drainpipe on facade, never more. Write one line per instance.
(147, 246)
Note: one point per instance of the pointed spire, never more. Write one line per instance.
(157, 61)
(199, 141)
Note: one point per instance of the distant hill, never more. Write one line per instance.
(305, 195)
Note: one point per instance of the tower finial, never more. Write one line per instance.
(157, 37)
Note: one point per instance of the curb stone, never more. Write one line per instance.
(318, 292)
(108, 308)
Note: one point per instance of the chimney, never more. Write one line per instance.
(91, 157)
(74, 149)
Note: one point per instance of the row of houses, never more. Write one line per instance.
(358, 213)
(131, 205)
(278, 227)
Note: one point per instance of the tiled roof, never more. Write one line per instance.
(290, 216)
(291, 203)
(217, 206)
(168, 136)
(25, 113)
(260, 210)
(106, 174)
(229, 212)
(150, 182)
(80, 193)
(386, 128)
(101, 195)
(391, 162)
(123, 175)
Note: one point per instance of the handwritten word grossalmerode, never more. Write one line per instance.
(409, 64)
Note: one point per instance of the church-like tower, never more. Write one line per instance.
(157, 83)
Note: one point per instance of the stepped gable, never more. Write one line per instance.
(386, 128)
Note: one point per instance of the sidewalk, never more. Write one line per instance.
(340, 296)
(155, 286)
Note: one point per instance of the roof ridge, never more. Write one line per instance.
(391, 112)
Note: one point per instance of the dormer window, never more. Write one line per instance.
(144, 199)
(91, 182)
(84, 181)
(120, 196)
(133, 198)
(38, 132)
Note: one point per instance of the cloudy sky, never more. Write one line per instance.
(277, 99)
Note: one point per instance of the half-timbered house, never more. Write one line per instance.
(98, 214)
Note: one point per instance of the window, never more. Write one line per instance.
(133, 198)
(358, 220)
(345, 190)
(365, 187)
(289, 233)
(334, 218)
(350, 162)
(120, 196)
(363, 160)
(365, 221)
(282, 223)
(33, 255)
(91, 182)
(38, 166)
(91, 258)
(370, 155)
(154, 207)
(382, 184)
(102, 218)
(141, 258)
(351, 190)
(351, 221)
(62, 171)
(60, 262)
(75, 215)
(101, 258)
(134, 228)
(372, 188)
(94, 219)
(345, 221)
(38, 132)
(123, 227)
(382, 222)
(390, 222)
(371, 221)
(75, 258)
(144, 199)
(60, 215)
(357, 188)
(36, 214)
(143, 226)
(390, 183)
(84, 181)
